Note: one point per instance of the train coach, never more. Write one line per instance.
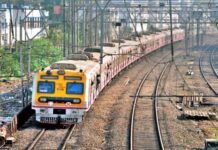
(64, 91)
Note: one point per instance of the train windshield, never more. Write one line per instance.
(46, 87)
(74, 88)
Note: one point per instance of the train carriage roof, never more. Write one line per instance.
(80, 65)
(109, 53)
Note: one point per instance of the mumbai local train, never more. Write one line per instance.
(64, 91)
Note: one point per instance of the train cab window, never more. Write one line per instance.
(74, 88)
(46, 87)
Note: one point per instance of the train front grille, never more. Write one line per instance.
(55, 119)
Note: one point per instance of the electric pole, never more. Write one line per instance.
(171, 30)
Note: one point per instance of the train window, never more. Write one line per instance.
(98, 80)
(75, 88)
(46, 87)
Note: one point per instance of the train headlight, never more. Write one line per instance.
(42, 99)
(50, 103)
(68, 104)
(76, 100)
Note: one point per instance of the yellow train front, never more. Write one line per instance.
(59, 96)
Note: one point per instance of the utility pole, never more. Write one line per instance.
(193, 33)
(161, 4)
(84, 26)
(118, 24)
(21, 63)
(86, 22)
(64, 46)
(90, 25)
(186, 39)
(77, 26)
(69, 33)
(73, 27)
(102, 36)
(29, 68)
(5, 37)
(0, 30)
(102, 33)
(171, 30)
(96, 25)
(198, 32)
(10, 37)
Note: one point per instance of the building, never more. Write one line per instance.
(22, 22)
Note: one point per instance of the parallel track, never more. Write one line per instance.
(153, 135)
(212, 62)
(203, 73)
(157, 123)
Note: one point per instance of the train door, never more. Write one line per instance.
(92, 90)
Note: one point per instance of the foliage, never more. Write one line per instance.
(9, 64)
(56, 36)
(43, 53)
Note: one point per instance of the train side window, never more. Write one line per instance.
(98, 80)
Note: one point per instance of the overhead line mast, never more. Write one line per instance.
(171, 30)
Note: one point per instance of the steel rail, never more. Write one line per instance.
(38, 137)
(63, 144)
(211, 62)
(67, 137)
(135, 102)
(203, 75)
(157, 123)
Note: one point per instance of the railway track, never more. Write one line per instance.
(157, 123)
(37, 138)
(213, 65)
(144, 128)
(207, 70)
(62, 146)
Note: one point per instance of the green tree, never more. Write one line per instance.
(9, 64)
(56, 36)
(44, 54)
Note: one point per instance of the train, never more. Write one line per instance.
(64, 91)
